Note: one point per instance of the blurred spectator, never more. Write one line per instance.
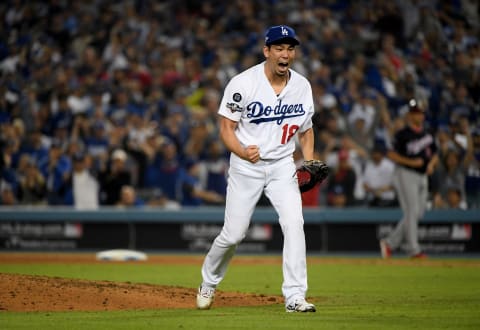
(62, 117)
(129, 198)
(192, 193)
(164, 170)
(96, 140)
(119, 110)
(324, 99)
(56, 170)
(428, 26)
(136, 139)
(362, 120)
(472, 179)
(7, 194)
(444, 141)
(36, 147)
(378, 179)
(214, 168)
(113, 177)
(454, 164)
(462, 105)
(158, 199)
(32, 189)
(175, 126)
(356, 156)
(341, 182)
(453, 199)
(8, 149)
(197, 143)
(329, 130)
(99, 105)
(84, 186)
(450, 175)
(79, 101)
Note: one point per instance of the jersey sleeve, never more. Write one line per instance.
(310, 108)
(233, 100)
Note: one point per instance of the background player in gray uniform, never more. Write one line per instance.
(414, 152)
(262, 110)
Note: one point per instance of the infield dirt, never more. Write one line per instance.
(42, 293)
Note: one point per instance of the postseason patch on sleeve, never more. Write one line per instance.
(235, 106)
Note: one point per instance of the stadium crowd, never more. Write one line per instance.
(115, 102)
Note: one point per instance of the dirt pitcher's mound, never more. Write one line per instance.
(42, 293)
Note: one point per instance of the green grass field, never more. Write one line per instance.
(350, 293)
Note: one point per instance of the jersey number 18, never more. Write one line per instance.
(288, 132)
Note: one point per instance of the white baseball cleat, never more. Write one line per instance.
(300, 305)
(205, 297)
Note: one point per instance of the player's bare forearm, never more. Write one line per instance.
(208, 196)
(306, 140)
(227, 134)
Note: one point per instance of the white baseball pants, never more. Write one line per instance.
(246, 183)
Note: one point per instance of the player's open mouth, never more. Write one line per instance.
(283, 65)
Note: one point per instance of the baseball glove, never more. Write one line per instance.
(311, 173)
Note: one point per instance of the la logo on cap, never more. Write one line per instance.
(281, 34)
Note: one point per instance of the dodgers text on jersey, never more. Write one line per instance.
(261, 113)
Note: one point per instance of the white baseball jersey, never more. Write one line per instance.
(265, 119)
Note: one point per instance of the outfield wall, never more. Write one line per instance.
(193, 229)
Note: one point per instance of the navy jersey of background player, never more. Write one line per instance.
(415, 143)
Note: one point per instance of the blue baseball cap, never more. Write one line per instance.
(280, 34)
